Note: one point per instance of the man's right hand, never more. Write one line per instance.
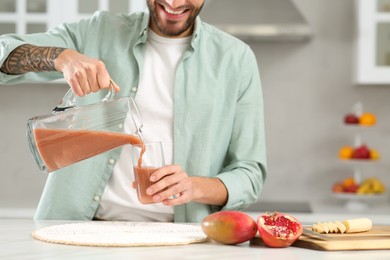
(83, 74)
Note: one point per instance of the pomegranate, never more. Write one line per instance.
(279, 230)
(229, 227)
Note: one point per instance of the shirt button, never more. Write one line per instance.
(111, 161)
(134, 89)
(120, 126)
(97, 198)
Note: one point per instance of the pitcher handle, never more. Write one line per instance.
(69, 99)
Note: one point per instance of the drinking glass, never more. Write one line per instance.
(147, 158)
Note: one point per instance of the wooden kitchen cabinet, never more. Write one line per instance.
(373, 42)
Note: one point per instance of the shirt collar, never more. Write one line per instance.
(144, 26)
(196, 33)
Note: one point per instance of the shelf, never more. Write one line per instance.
(382, 17)
(357, 127)
(354, 202)
(360, 162)
(359, 197)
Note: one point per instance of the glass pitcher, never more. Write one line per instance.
(73, 133)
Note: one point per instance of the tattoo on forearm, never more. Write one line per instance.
(29, 58)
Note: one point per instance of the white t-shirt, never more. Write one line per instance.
(155, 102)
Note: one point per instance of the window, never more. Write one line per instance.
(31, 16)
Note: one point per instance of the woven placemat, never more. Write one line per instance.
(121, 234)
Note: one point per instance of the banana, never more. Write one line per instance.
(347, 226)
(357, 225)
(371, 186)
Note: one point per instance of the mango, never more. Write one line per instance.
(229, 227)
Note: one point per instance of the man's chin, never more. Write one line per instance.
(174, 31)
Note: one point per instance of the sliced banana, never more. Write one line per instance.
(347, 226)
(323, 227)
(317, 228)
(328, 226)
(340, 227)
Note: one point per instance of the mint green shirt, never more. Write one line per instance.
(218, 112)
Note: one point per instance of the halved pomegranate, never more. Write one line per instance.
(279, 230)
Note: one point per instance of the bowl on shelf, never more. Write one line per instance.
(359, 202)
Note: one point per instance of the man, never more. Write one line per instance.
(198, 91)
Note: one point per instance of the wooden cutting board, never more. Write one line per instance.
(377, 238)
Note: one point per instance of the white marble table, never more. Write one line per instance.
(16, 242)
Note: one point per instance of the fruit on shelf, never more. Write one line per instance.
(348, 182)
(374, 154)
(351, 119)
(362, 152)
(350, 185)
(368, 186)
(352, 188)
(345, 152)
(338, 187)
(360, 118)
(371, 186)
(367, 119)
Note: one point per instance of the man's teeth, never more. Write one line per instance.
(173, 12)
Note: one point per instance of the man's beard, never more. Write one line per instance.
(171, 31)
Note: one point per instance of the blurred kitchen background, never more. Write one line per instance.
(317, 59)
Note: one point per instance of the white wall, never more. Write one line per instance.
(308, 88)
(21, 182)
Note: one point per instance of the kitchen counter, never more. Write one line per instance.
(16, 242)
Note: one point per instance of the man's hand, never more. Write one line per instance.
(83, 74)
(172, 186)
